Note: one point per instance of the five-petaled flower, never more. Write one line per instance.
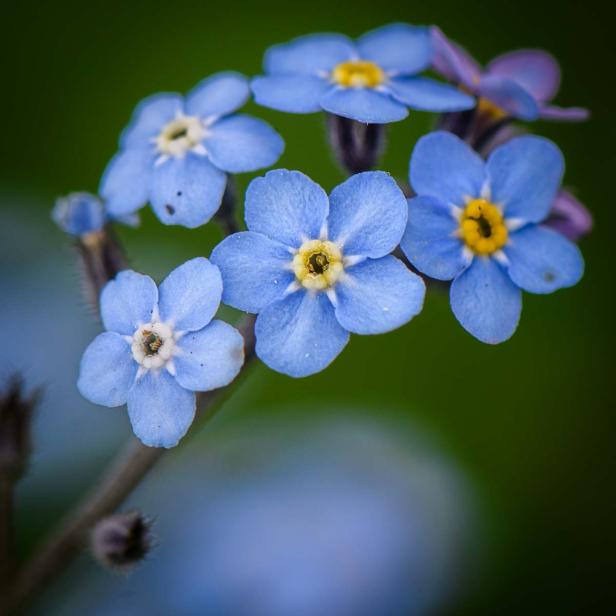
(520, 84)
(315, 269)
(161, 346)
(372, 80)
(478, 223)
(176, 152)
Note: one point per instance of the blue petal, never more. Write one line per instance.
(486, 302)
(241, 143)
(187, 191)
(286, 206)
(125, 185)
(510, 97)
(290, 93)
(446, 168)
(254, 268)
(160, 410)
(149, 117)
(367, 214)
(428, 241)
(218, 95)
(364, 105)
(79, 213)
(399, 47)
(127, 302)
(430, 95)
(309, 55)
(190, 295)
(209, 358)
(525, 176)
(299, 335)
(377, 296)
(107, 370)
(542, 260)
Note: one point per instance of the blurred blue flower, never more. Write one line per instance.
(477, 223)
(176, 152)
(161, 346)
(372, 80)
(80, 213)
(315, 269)
(519, 83)
(341, 517)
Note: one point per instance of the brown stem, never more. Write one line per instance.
(123, 475)
(7, 548)
(102, 257)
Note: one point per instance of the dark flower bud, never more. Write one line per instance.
(357, 146)
(121, 540)
(16, 411)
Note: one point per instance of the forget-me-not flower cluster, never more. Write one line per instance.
(314, 267)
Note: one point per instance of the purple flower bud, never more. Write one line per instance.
(121, 540)
(16, 410)
(569, 217)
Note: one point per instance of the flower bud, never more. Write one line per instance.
(79, 213)
(16, 411)
(357, 146)
(569, 217)
(121, 540)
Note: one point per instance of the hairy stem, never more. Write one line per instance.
(102, 257)
(123, 475)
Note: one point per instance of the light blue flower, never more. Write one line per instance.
(161, 345)
(176, 152)
(315, 269)
(372, 80)
(478, 223)
(80, 213)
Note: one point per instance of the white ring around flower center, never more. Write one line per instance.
(182, 134)
(153, 345)
(318, 264)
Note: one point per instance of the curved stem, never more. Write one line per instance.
(123, 475)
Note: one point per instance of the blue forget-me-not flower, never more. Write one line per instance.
(479, 224)
(316, 268)
(372, 80)
(160, 347)
(176, 152)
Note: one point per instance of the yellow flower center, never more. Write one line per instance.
(488, 108)
(482, 227)
(358, 74)
(318, 264)
(180, 135)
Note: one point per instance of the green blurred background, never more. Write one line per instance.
(529, 421)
